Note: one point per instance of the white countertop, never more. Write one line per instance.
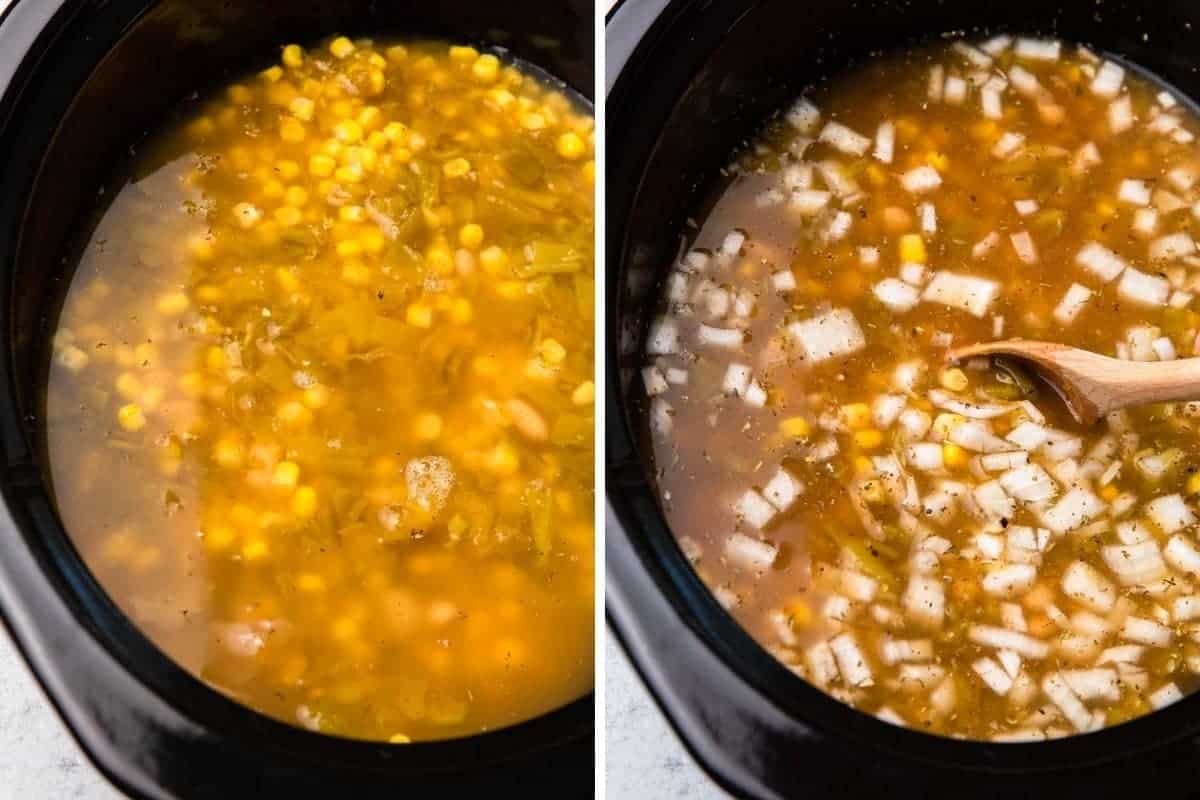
(645, 759)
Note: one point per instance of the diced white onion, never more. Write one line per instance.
(803, 115)
(1024, 247)
(1075, 509)
(654, 380)
(1120, 114)
(1037, 49)
(1171, 247)
(664, 337)
(1108, 80)
(1170, 513)
(850, 660)
(1143, 289)
(1004, 639)
(966, 292)
(1134, 192)
(921, 179)
(832, 334)
(728, 338)
(746, 551)
(783, 489)
(1072, 303)
(1009, 580)
(885, 141)
(1085, 584)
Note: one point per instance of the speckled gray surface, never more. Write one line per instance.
(645, 759)
(38, 758)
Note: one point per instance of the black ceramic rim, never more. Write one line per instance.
(635, 30)
(66, 577)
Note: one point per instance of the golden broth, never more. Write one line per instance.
(321, 403)
(945, 548)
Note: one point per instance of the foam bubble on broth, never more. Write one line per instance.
(942, 546)
(320, 408)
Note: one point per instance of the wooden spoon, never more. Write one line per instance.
(1092, 385)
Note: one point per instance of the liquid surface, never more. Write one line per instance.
(944, 547)
(320, 409)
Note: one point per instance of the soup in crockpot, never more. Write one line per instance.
(321, 402)
(942, 546)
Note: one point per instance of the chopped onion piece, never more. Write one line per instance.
(1004, 639)
(1075, 509)
(885, 142)
(1028, 436)
(783, 489)
(1145, 221)
(850, 660)
(1072, 304)
(753, 509)
(1093, 684)
(985, 245)
(868, 256)
(993, 675)
(1010, 580)
(954, 90)
(999, 462)
(925, 456)
(662, 416)
(1029, 484)
(896, 295)
(886, 409)
(1008, 145)
(1024, 247)
(1108, 80)
(1058, 692)
(1085, 584)
(990, 104)
(737, 378)
(783, 281)
(1134, 192)
(832, 334)
(944, 399)
(756, 395)
(1143, 289)
(1136, 564)
(1086, 157)
(1174, 246)
(822, 666)
(966, 292)
(1165, 695)
(1170, 513)
(1181, 554)
(1120, 114)
(921, 179)
(655, 382)
(1025, 207)
(1146, 631)
(809, 202)
(751, 553)
(664, 337)
(727, 338)
(937, 78)
(925, 600)
(803, 115)
(844, 139)
(976, 436)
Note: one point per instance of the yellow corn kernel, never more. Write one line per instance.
(470, 235)
(229, 453)
(352, 214)
(304, 502)
(272, 74)
(1109, 492)
(288, 216)
(348, 131)
(128, 385)
(486, 366)
(302, 108)
(247, 214)
(456, 168)
(192, 383)
(214, 359)
(308, 581)
(172, 303)
(341, 47)
(457, 526)
(1193, 484)
(795, 428)
(486, 68)
(293, 56)
(946, 422)
(493, 259)
(294, 414)
(503, 460)
(939, 161)
(349, 248)
(351, 173)
(868, 439)
(321, 165)
(461, 311)
(954, 456)
(419, 315)
(316, 396)
(552, 351)
(532, 122)
(373, 241)
(589, 172)
(287, 280)
(218, 537)
(463, 54)
(798, 612)
(292, 130)
(912, 248)
(856, 415)
(953, 379)
(286, 475)
(584, 394)
(130, 417)
(254, 550)
(296, 196)
(428, 426)
(570, 145)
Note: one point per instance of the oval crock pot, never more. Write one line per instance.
(688, 80)
(80, 82)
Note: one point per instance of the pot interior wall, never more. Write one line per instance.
(103, 93)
